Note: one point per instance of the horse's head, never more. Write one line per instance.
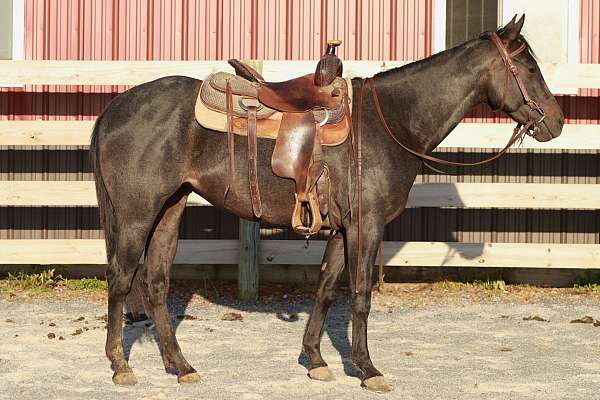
(515, 83)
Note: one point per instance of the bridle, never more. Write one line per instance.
(529, 128)
(510, 66)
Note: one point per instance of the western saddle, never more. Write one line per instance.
(300, 114)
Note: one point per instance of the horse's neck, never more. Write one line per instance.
(425, 100)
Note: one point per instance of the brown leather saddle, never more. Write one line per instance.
(301, 114)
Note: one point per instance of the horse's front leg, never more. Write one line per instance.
(372, 227)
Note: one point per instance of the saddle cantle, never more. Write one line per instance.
(301, 114)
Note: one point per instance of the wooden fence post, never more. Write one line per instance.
(248, 265)
(249, 242)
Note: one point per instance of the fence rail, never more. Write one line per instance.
(49, 72)
(295, 252)
(451, 195)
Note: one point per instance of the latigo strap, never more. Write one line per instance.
(252, 168)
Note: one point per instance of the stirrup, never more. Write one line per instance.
(316, 220)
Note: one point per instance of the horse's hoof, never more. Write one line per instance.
(192, 377)
(321, 374)
(126, 378)
(376, 384)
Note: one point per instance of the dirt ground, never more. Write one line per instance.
(432, 341)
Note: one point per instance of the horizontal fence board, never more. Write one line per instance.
(467, 135)
(51, 72)
(295, 252)
(45, 133)
(453, 195)
(495, 136)
(59, 193)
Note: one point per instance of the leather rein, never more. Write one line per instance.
(528, 128)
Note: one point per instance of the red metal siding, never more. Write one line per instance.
(217, 29)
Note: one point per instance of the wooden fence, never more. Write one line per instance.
(449, 195)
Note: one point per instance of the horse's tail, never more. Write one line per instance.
(105, 206)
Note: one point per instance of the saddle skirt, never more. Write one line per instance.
(211, 110)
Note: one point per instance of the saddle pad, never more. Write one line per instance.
(212, 93)
(215, 117)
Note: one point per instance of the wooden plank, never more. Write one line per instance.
(454, 195)
(468, 135)
(571, 75)
(50, 72)
(53, 194)
(424, 254)
(48, 133)
(92, 251)
(136, 72)
(294, 252)
(495, 136)
(248, 261)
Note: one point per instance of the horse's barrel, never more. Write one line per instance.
(330, 66)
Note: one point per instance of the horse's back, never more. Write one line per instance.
(150, 104)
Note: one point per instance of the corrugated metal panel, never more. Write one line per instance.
(216, 29)
(590, 38)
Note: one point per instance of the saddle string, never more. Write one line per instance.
(230, 141)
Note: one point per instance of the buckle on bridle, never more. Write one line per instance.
(534, 107)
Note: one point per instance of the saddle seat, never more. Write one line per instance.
(294, 95)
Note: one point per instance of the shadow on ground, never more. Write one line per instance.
(285, 302)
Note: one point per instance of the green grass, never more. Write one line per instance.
(44, 282)
(589, 281)
(590, 287)
(485, 285)
(85, 284)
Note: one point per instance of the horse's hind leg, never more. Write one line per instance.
(122, 265)
(331, 269)
(161, 252)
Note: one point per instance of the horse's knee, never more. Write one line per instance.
(361, 305)
(120, 284)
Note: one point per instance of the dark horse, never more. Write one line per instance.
(149, 153)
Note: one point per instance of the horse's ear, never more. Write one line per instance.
(512, 29)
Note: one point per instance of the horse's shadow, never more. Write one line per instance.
(272, 300)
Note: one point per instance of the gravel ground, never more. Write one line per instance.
(459, 349)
